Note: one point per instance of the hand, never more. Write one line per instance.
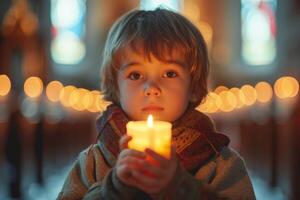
(128, 161)
(154, 175)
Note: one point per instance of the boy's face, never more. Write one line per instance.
(153, 86)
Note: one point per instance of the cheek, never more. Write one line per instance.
(122, 92)
(178, 89)
(128, 93)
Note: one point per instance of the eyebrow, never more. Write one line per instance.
(176, 62)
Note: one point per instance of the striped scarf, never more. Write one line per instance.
(193, 135)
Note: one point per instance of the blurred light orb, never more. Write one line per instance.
(206, 30)
(229, 101)
(264, 92)
(65, 94)
(33, 87)
(220, 89)
(61, 18)
(204, 107)
(240, 97)
(30, 109)
(74, 97)
(90, 101)
(212, 103)
(216, 99)
(79, 95)
(250, 94)
(286, 87)
(53, 90)
(29, 24)
(5, 85)
(191, 10)
(67, 48)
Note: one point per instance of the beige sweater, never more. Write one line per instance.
(92, 177)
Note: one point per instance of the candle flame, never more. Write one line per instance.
(150, 121)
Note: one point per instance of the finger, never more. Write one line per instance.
(133, 162)
(144, 180)
(150, 169)
(163, 162)
(124, 172)
(123, 143)
(132, 153)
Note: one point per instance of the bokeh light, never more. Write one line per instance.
(206, 31)
(250, 94)
(76, 99)
(211, 104)
(240, 97)
(220, 89)
(286, 87)
(65, 94)
(53, 90)
(5, 85)
(33, 87)
(264, 92)
(229, 101)
(90, 101)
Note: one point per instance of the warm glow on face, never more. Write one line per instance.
(286, 87)
(264, 92)
(150, 121)
(33, 87)
(53, 89)
(5, 85)
(250, 94)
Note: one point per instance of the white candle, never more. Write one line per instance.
(155, 135)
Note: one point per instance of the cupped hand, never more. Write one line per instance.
(155, 172)
(127, 161)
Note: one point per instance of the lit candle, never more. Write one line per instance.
(155, 135)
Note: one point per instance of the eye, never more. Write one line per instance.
(170, 74)
(134, 76)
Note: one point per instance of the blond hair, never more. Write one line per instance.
(157, 32)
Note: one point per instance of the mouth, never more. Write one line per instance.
(152, 108)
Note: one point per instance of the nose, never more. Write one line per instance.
(152, 89)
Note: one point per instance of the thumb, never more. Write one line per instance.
(123, 143)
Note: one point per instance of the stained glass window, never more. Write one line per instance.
(258, 31)
(68, 29)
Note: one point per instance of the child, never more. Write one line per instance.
(156, 62)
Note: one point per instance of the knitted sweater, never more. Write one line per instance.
(208, 168)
